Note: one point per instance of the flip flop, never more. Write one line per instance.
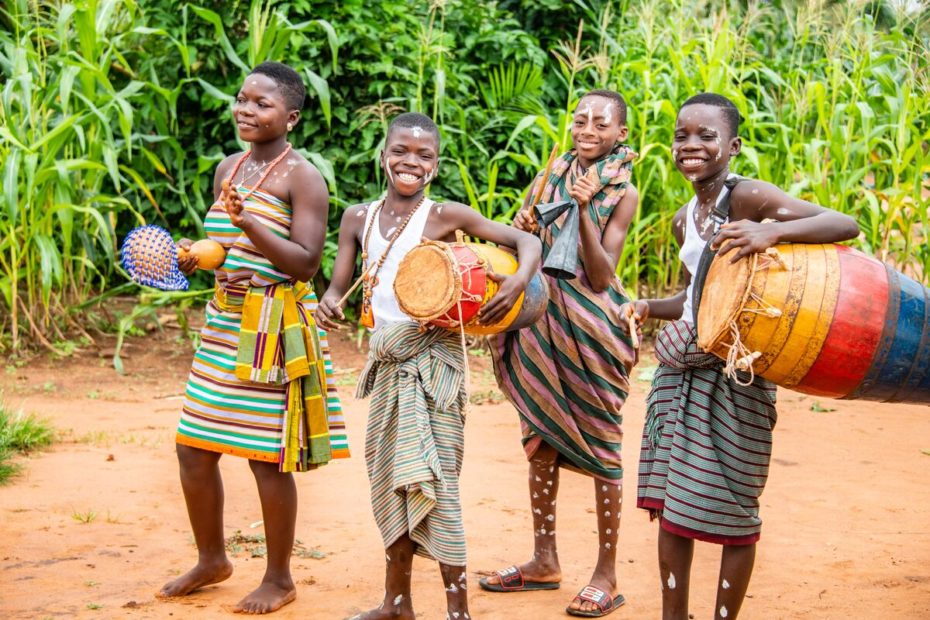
(511, 580)
(605, 604)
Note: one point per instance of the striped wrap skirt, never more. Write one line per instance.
(706, 444)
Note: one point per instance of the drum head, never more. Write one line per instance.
(725, 289)
(427, 281)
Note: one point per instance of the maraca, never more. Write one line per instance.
(150, 256)
(209, 254)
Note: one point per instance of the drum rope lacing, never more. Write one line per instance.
(739, 356)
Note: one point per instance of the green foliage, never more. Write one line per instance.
(114, 113)
(20, 434)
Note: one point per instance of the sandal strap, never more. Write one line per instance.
(597, 596)
(511, 578)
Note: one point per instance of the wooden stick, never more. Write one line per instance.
(545, 176)
(634, 339)
(357, 282)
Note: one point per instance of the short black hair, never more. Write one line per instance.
(730, 113)
(613, 96)
(409, 120)
(288, 81)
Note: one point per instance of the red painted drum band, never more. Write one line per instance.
(436, 279)
(829, 321)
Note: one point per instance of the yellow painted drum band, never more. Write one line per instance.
(828, 290)
(502, 263)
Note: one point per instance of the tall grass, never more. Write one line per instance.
(72, 161)
(116, 112)
(20, 434)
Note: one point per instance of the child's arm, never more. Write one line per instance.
(299, 256)
(667, 308)
(329, 311)
(456, 216)
(601, 253)
(797, 221)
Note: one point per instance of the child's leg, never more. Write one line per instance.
(278, 495)
(454, 580)
(397, 603)
(735, 571)
(608, 499)
(203, 493)
(544, 488)
(675, 553)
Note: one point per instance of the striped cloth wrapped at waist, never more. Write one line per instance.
(279, 344)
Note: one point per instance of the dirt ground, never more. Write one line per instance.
(95, 525)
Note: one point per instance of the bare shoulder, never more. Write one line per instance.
(749, 197)
(225, 167)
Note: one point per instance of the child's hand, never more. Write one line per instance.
(503, 300)
(525, 221)
(232, 202)
(750, 237)
(633, 312)
(328, 313)
(187, 262)
(585, 188)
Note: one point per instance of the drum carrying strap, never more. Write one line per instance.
(719, 215)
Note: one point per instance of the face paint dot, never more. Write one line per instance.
(417, 131)
(671, 581)
(723, 612)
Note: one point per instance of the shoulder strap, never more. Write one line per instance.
(718, 216)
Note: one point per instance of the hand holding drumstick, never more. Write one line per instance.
(524, 219)
(632, 315)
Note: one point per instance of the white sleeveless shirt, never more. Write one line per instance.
(691, 250)
(383, 302)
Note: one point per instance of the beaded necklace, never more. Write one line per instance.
(370, 276)
(264, 176)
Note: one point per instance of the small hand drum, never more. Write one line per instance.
(436, 280)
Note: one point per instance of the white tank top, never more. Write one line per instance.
(691, 250)
(383, 302)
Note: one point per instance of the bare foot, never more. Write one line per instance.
(197, 577)
(534, 571)
(266, 598)
(385, 614)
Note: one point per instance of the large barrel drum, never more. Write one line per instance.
(446, 284)
(826, 320)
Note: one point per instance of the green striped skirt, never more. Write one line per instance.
(706, 444)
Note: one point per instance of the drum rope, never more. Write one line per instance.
(739, 356)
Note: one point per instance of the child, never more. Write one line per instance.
(568, 374)
(707, 439)
(268, 404)
(414, 441)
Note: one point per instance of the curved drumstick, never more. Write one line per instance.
(545, 178)
(360, 279)
(634, 339)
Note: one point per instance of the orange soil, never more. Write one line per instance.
(846, 509)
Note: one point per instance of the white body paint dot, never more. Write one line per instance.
(725, 585)
(671, 581)
(723, 612)
(398, 599)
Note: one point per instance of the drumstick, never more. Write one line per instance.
(542, 184)
(634, 339)
(545, 176)
(357, 282)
